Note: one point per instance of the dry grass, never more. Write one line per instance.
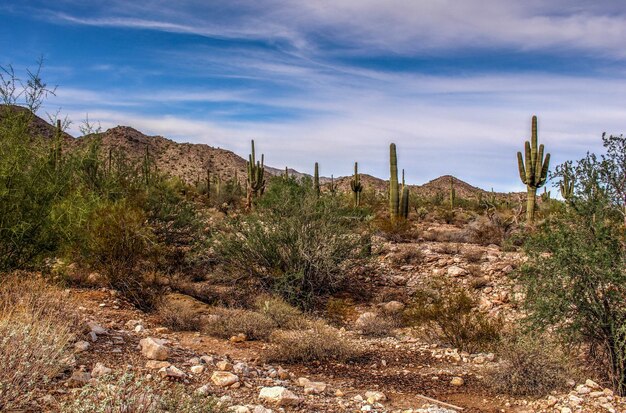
(128, 393)
(377, 325)
(178, 316)
(36, 325)
(318, 343)
(284, 315)
(339, 311)
(226, 323)
(473, 256)
(412, 256)
(531, 366)
(450, 315)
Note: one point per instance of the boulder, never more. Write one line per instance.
(154, 349)
(279, 396)
(224, 378)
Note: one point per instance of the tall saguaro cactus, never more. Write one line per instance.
(452, 193)
(533, 170)
(316, 179)
(394, 196)
(356, 186)
(567, 186)
(256, 177)
(404, 199)
(333, 187)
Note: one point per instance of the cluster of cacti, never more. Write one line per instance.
(397, 209)
(356, 186)
(533, 170)
(256, 176)
(316, 179)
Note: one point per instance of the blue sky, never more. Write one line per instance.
(452, 83)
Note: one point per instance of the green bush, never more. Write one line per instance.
(451, 316)
(529, 366)
(575, 276)
(295, 244)
(116, 241)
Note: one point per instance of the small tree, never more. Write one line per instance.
(575, 277)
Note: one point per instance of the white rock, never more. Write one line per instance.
(375, 396)
(96, 328)
(197, 369)
(81, 346)
(239, 409)
(224, 365)
(203, 390)
(154, 349)
(100, 370)
(224, 378)
(455, 271)
(156, 365)
(279, 396)
(457, 381)
(312, 387)
(173, 372)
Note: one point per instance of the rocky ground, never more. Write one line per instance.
(395, 374)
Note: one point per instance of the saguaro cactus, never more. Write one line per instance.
(404, 199)
(452, 193)
(256, 176)
(567, 186)
(333, 187)
(316, 179)
(533, 170)
(394, 196)
(356, 186)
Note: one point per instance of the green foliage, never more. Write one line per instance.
(295, 244)
(575, 278)
(451, 315)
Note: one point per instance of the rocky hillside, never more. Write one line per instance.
(190, 161)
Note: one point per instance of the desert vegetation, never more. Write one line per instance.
(318, 275)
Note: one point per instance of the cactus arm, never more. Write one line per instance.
(520, 165)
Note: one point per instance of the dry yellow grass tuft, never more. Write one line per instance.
(37, 323)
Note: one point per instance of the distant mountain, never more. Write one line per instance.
(190, 161)
(38, 128)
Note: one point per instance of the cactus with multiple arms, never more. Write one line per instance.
(394, 196)
(256, 177)
(567, 186)
(533, 170)
(356, 186)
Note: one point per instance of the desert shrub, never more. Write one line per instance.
(479, 282)
(284, 315)
(486, 231)
(318, 343)
(451, 316)
(116, 241)
(473, 255)
(295, 244)
(128, 393)
(399, 230)
(575, 276)
(225, 323)
(408, 256)
(377, 325)
(339, 310)
(36, 325)
(177, 316)
(529, 366)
